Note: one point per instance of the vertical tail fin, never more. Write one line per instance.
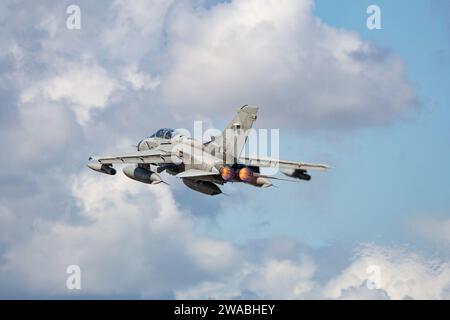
(235, 135)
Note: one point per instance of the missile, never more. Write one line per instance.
(142, 175)
(262, 182)
(296, 173)
(103, 168)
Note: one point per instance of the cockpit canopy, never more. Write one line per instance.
(164, 133)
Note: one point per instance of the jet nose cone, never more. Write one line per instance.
(97, 166)
(93, 166)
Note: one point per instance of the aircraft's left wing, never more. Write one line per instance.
(282, 164)
(193, 173)
(148, 156)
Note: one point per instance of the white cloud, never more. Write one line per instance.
(283, 279)
(140, 80)
(271, 279)
(8, 225)
(277, 55)
(133, 238)
(136, 30)
(44, 128)
(211, 254)
(134, 241)
(403, 275)
(363, 293)
(86, 86)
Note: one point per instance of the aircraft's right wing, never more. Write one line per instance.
(143, 157)
(282, 164)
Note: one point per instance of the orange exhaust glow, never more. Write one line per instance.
(245, 174)
(227, 173)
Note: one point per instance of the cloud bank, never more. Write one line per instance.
(136, 241)
(279, 56)
(135, 65)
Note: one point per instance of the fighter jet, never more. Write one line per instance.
(203, 166)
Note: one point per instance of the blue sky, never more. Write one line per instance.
(409, 175)
(374, 105)
(382, 179)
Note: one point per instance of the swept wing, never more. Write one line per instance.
(282, 164)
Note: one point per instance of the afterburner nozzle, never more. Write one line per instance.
(227, 173)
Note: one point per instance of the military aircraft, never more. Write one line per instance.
(202, 166)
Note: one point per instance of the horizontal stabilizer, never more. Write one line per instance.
(192, 173)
